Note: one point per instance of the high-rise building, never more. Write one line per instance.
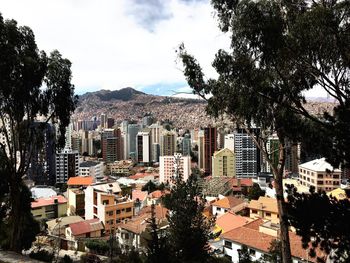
(155, 152)
(156, 131)
(144, 146)
(103, 120)
(147, 120)
(69, 132)
(224, 163)
(111, 145)
(206, 148)
(221, 139)
(133, 129)
(67, 165)
(168, 165)
(247, 154)
(230, 142)
(186, 145)
(292, 157)
(109, 123)
(168, 143)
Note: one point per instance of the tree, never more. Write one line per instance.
(189, 230)
(244, 255)
(279, 50)
(32, 84)
(275, 254)
(149, 186)
(322, 221)
(255, 192)
(157, 245)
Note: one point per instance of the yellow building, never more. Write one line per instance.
(49, 208)
(224, 163)
(105, 202)
(265, 208)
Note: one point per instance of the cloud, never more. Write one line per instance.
(149, 13)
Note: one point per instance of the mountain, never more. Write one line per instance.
(131, 104)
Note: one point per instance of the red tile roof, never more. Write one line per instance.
(48, 201)
(80, 180)
(160, 211)
(229, 221)
(228, 202)
(138, 194)
(86, 226)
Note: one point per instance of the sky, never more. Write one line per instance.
(114, 44)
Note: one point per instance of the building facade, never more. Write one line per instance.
(224, 163)
(67, 165)
(169, 164)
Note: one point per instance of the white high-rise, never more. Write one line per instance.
(169, 164)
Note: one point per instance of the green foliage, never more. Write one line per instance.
(66, 259)
(189, 231)
(32, 84)
(90, 258)
(244, 256)
(149, 186)
(98, 246)
(322, 222)
(255, 192)
(42, 255)
(275, 253)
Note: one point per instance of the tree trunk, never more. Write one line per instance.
(284, 230)
(15, 215)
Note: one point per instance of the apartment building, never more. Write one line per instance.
(168, 165)
(49, 208)
(319, 174)
(224, 163)
(90, 168)
(105, 202)
(265, 208)
(67, 165)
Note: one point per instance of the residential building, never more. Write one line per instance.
(133, 129)
(140, 199)
(155, 152)
(49, 208)
(228, 221)
(92, 228)
(168, 143)
(257, 237)
(168, 165)
(228, 203)
(247, 154)
(206, 148)
(67, 165)
(120, 168)
(110, 123)
(229, 142)
(57, 226)
(156, 130)
(143, 146)
(103, 120)
(111, 145)
(224, 163)
(91, 168)
(186, 145)
(265, 208)
(319, 174)
(76, 194)
(105, 202)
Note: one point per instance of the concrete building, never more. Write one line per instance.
(168, 143)
(168, 166)
(186, 145)
(206, 148)
(76, 194)
(143, 146)
(265, 208)
(49, 208)
(155, 152)
(156, 130)
(67, 165)
(319, 174)
(111, 145)
(224, 163)
(247, 154)
(105, 202)
(91, 168)
(229, 142)
(133, 129)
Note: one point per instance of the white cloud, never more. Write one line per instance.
(110, 49)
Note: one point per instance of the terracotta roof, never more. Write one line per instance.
(138, 194)
(48, 201)
(86, 226)
(158, 194)
(253, 238)
(229, 221)
(228, 202)
(160, 211)
(265, 204)
(80, 180)
(241, 181)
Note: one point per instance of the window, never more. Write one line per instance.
(320, 182)
(228, 244)
(319, 175)
(128, 209)
(252, 252)
(268, 214)
(110, 213)
(336, 176)
(105, 202)
(218, 209)
(118, 212)
(254, 211)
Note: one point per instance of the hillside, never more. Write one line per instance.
(131, 104)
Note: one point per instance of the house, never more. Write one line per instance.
(155, 197)
(105, 202)
(229, 221)
(257, 237)
(49, 208)
(58, 226)
(135, 232)
(76, 194)
(84, 229)
(265, 208)
(228, 203)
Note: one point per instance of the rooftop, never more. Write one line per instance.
(138, 194)
(228, 202)
(88, 164)
(80, 180)
(265, 204)
(107, 187)
(63, 221)
(86, 226)
(48, 201)
(319, 165)
(229, 221)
